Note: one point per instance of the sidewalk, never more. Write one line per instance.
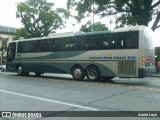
(156, 75)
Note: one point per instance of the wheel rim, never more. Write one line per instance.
(77, 73)
(92, 74)
(19, 70)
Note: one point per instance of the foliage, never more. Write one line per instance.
(126, 12)
(93, 27)
(39, 18)
(20, 33)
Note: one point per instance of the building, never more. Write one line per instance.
(6, 36)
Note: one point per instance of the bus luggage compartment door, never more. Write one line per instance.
(127, 68)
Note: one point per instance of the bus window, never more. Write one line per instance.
(94, 42)
(124, 40)
(78, 43)
(36, 46)
(24, 47)
(82, 42)
(131, 40)
(122, 43)
(68, 44)
(115, 41)
(42, 45)
(106, 42)
(51, 45)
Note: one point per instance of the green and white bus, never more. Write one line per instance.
(123, 52)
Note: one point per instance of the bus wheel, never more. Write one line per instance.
(2, 70)
(93, 73)
(78, 72)
(19, 70)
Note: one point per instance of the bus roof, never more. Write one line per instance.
(130, 28)
(70, 34)
(61, 35)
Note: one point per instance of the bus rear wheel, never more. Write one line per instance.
(93, 74)
(78, 72)
(19, 70)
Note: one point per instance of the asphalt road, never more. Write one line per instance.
(53, 92)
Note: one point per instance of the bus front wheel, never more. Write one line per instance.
(19, 70)
(78, 72)
(93, 73)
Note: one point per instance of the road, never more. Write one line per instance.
(53, 92)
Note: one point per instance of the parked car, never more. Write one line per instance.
(3, 68)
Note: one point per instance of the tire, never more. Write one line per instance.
(2, 69)
(78, 73)
(20, 70)
(93, 73)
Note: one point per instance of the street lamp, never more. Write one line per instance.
(93, 18)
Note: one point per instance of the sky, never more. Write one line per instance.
(8, 17)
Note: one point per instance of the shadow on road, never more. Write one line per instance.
(145, 82)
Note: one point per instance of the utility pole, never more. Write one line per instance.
(93, 18)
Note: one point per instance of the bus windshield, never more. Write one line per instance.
(11, 51)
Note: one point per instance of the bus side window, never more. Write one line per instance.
(32, 46)
(122, 43)
(77, 41)
(26, 47)
(94, 42)
(114, 41)
(122, 38)
(68, 44)
(20, 47)
(53, 45)
(118, 40)
(41, 46)
(36, 46)
(106, 43)
(130, 40)
(58, 44)
(91, 44)
(83, 43)
(50, 43)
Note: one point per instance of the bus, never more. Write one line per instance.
(123, 52)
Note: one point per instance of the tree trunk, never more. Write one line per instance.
(155, 24)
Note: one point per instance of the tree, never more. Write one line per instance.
(20, 33)
(88, 27)
(126, 12)
(39, 19)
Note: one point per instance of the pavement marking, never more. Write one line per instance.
(49, 100)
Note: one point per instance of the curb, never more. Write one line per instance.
(155, 75)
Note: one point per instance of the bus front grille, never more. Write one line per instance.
(127, 67)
